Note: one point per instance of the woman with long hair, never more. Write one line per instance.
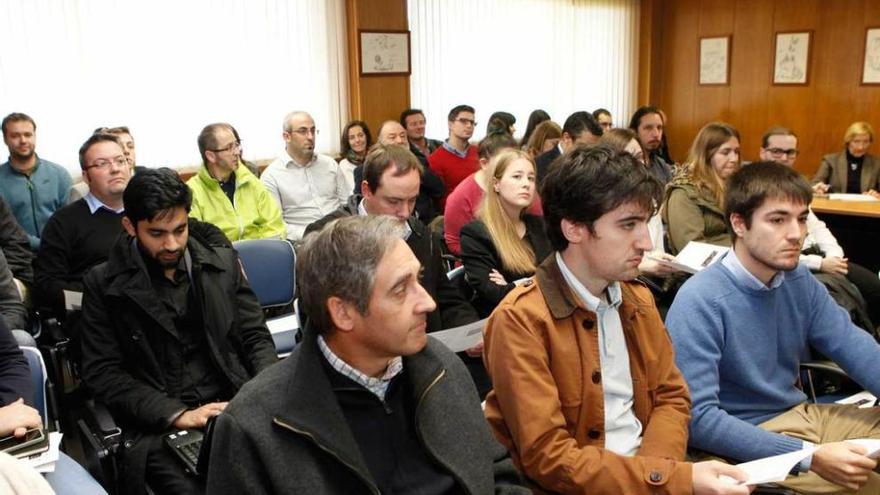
(545, 137)
(501, 122)
(505, 243)
(693, 207)
(535, 118)
(353, 145)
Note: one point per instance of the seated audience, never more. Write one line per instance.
(504, 244)
(431, 188)
(820, 251)
(852, 170)
(353, 145)
(307, 185)
(579, 128)
(462, 204)
(587, 396)
(456, 158)
(741, 326)
(501, 122)
(15, 245)
(123, 135)
(545, 137)
(390, 187)
(32, 187)
(537, 117)
(80, 235)
(17, 416)
(413, 120)
(648, 124)
(623, 139)
(692, 208)
(366, 403)
(603, 117)
(174, 330)
(12, 308)
(226, 194)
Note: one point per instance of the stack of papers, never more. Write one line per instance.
(852, 197)
(694, 257)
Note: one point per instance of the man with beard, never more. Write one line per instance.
(34, 188)
(174, 329)
(647, 122)
(741, 327)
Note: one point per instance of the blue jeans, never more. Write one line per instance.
(70, 478)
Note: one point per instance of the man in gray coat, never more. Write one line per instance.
(367, 403)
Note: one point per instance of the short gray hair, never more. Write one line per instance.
(341, 260)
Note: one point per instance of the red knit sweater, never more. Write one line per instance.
(451, 169)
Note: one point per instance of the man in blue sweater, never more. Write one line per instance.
(742, 326)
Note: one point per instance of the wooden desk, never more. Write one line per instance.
(854, 208)
(856, 225)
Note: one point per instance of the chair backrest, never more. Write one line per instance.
(269, 267)
(38, 380)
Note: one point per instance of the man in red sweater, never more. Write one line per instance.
(456, 158)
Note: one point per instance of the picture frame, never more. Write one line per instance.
(791, 61)
(714, 62)
(871, 59)
(384, 53)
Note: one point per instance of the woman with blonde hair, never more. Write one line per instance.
(505, 243)
(693, 207)
(852, 170)
(544, 138)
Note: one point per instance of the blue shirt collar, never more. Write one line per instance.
(448, 147)
(95, 204)
(745, 277)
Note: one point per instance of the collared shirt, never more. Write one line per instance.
(378, 386)
(452, 149)
(623, 431)
(95, 204)
(407, 230)
(742, 275)
(306, 193)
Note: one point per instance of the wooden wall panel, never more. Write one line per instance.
(375, 99)
(818, 112)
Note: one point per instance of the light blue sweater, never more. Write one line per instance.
(739, 345)
(34, 199)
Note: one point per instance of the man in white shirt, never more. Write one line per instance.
(821, 252)
(306, 185)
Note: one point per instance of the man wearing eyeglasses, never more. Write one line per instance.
(227, 194)
(79, 235)
(34, 188)
(307, 185)
(456, 159)
(821, 251)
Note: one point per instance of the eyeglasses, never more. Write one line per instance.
(779, 152)
(101, 164)
(467, 121)
(305, 131)
(235, 145)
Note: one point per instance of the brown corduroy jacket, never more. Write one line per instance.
(547, 407)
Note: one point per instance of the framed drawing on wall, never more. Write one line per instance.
(715, 61)
(384, 53)
(871, 68)
(792, 62)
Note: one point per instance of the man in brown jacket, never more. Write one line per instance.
(587, 396)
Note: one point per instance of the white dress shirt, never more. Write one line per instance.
(306, 193)
(818, 235)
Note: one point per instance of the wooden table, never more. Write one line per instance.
(856, 225)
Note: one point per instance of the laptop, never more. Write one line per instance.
(186, 445)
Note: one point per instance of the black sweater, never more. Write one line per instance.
(73, 241)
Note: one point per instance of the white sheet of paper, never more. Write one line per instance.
(773, 469)
(284, 324)
(852, 197)
(73, 300)
(461, 338)
(862, 399)
(697, 255)
(45, 461)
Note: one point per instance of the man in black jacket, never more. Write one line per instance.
(579, 128)
(15, 245)
(174, 330)
(367, 403)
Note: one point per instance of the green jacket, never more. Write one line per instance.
(255, 214)
(692, 214)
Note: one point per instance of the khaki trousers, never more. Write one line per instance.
(826, 423)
